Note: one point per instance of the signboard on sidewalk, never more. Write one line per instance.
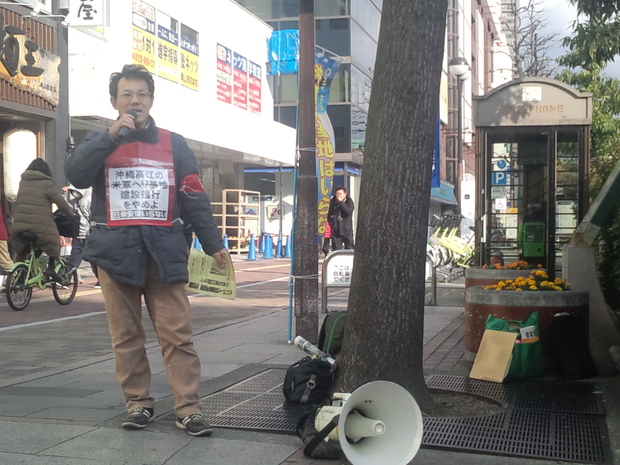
(338, 270)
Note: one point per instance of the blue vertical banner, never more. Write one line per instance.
(436, 174)
(324, 70)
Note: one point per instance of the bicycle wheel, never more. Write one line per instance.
(64, 294)
(18, 293)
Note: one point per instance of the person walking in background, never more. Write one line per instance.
(80, 200)
(33, 213)
(327, 238)
(340, 219)
(139, 247)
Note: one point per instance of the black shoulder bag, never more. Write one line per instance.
(308, 381)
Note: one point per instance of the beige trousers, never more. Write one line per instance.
(5, 258)
(170, 312)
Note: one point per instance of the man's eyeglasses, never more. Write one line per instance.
(142, 96)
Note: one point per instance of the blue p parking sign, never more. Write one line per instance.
(499, 178)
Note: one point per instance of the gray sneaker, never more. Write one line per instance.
(194, 425)
(138, 418)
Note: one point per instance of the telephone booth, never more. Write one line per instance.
(532, 170)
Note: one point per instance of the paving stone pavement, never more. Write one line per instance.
(60, 402)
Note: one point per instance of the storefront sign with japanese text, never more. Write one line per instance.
(26, 66)
(167, 54)
(224, 74)
(239, 80)
(189, 63)
(240, 76)
(88, 13)
(254, 88)
(143, 33)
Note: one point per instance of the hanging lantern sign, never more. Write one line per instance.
(20, 148)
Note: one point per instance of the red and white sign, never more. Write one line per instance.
(224, 74)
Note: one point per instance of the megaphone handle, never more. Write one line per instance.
(321, 435)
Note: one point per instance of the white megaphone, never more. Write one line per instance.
(380, 422)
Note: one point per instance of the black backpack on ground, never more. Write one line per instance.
(308, 381)
(331, 333)
(570, 354)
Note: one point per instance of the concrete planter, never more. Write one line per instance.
(490, 276)
(518, 305)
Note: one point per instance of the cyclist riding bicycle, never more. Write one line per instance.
(33, 213)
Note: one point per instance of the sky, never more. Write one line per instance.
(560, 14)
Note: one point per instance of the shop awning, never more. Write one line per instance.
(443, 194)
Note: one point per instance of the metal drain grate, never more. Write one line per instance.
(544, 420)
(547, 420)
(520, 433)
(576, 398)
(256, 403)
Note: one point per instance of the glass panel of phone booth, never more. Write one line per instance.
(518, 192)
(566, 190)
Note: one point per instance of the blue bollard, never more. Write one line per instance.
(261, 243)
(279, 246)
(288, 253)
(225, 241)
(252, 250)
(268, 253)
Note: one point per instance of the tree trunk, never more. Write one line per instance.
(385, 323)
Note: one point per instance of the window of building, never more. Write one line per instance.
(360, 88)
(286, 115)
(285, 8)
(286, 88)
(333, 35)
(261, 8)
(341, 84)
(363, 49)
(368, 16)
(189, 34)
(359, 119)
(168, 22)
(281, 25)
(340, 117)
(332, 7)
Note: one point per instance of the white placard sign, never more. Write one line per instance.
(339, 270)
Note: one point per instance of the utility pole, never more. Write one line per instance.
(306, 221)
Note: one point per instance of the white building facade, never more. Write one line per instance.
(211, 86)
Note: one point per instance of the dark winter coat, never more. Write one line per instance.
(340, 217)
(33, 213)
(79, 199)
(122, 251)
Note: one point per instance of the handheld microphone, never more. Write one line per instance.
(125, 130)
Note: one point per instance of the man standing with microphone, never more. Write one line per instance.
(144, 178)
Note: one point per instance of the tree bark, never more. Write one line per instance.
(385, 323)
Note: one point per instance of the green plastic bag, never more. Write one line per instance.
(527, 357)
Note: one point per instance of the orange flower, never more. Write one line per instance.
(538, 280)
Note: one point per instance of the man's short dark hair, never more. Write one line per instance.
(341, 188)
(131, 72)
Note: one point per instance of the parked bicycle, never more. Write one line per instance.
(28, 275)
(445, 247)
